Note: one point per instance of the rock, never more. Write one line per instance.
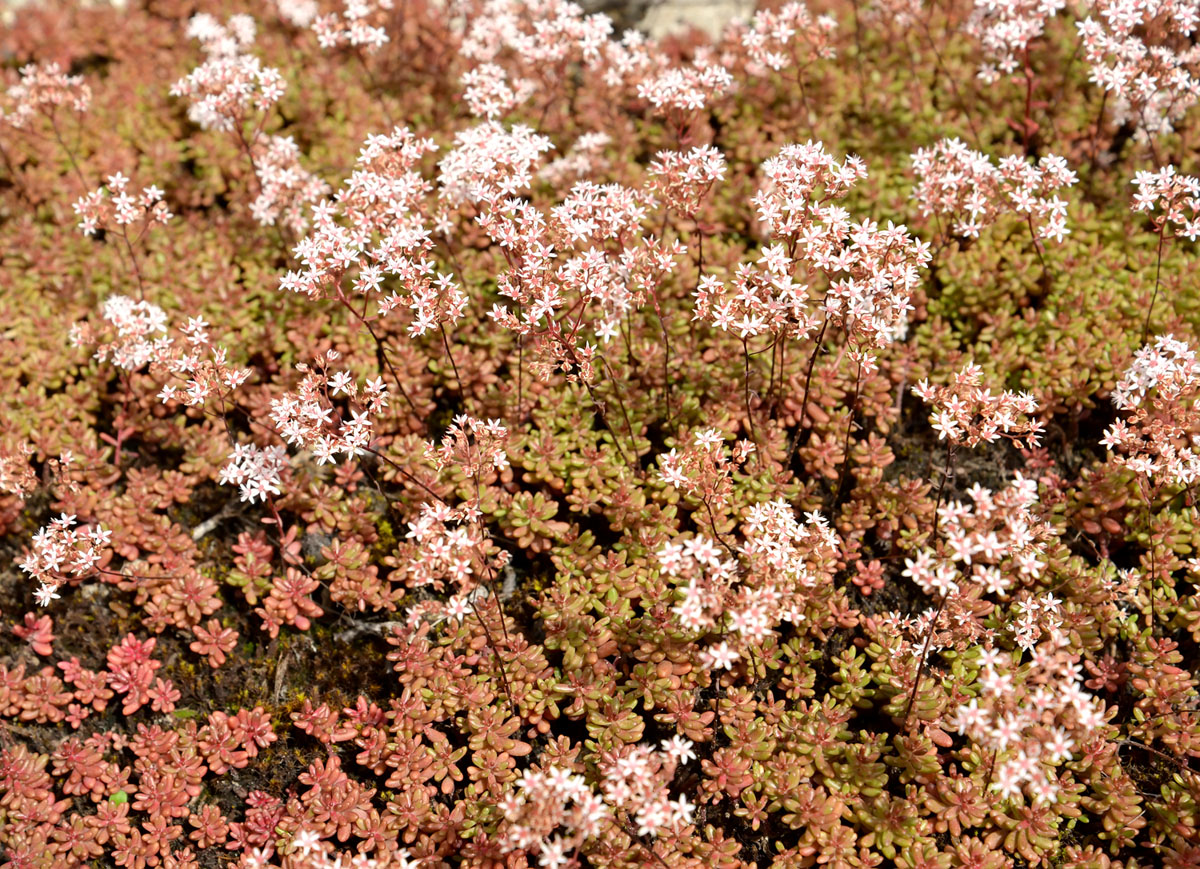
(709, 16)
(657, 18)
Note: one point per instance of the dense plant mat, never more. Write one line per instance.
(459, 434)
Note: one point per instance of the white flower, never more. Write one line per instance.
(458, 607)
(306, 841)
(679, 748)
(719, 656)
(45, 594)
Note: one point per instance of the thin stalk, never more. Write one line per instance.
(483, 529)
(1037, 244)
(666, 369)
(247, 146)
(783, 344)
(947, 77)
(621, 406)
(699, 275)
(942, 603)
(1162, 233)
(453, 365)
(405, 474)
(499, 660)
(1182, 764)
(383, 357)
(137, 271)
(770, 391)
(807, 383)
(849, 428)
(1027, 121)
(746, 397)
(374, 86)
(712, 522)
(924, 656)
(1096, 133)
(604, 419)
(520, 372)
(70, 154)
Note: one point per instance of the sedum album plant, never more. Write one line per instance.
(484, 435)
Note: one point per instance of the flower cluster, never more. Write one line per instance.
(1171, 199)
(1005, 28)
(382, 203)
(298, 13)
(966, 412)
(683, 178)
(285, 187)
(1169, 367)
(637, 780)
(42, 90)
(1145, 55)
(310, 850)
(222, 40)
(761, 298)
(877, 273)
(141, 340)
(986, 544)
(537, 34)
(678, 91)
(786, 567)
(489, 92)
(767, 298)
(358, 25)
(698, 560)
(306, 418)
(489, 163)
(798, 184)
(136, 323)
(256, 471)
(552, 813)
(1031, 715)
(789, 37)
(230, 84)
(796, 559)
(614, 267)
(1159, 438)
(448, 544)
(62, 552)
(598, 212)
(584, 158)
(472, 446)
(963, 184)
(704, 469)
(871, 271)
(113, 206)
(204, 377)
(785, 563)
